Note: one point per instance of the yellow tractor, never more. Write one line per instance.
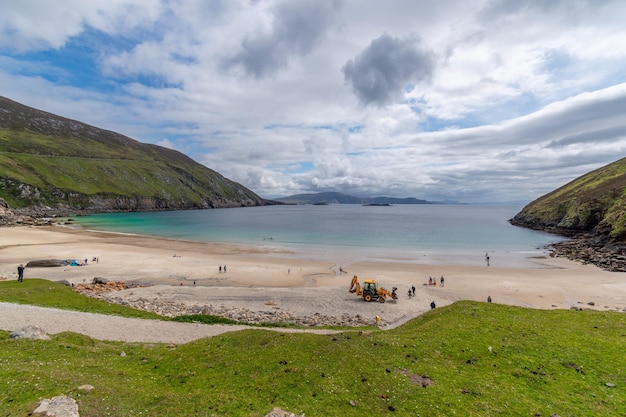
(371, 291)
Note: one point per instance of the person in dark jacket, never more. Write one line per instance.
(20, 273)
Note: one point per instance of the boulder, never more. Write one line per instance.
(277, 412)
(7, 217)
(60, 406)
(30, 332)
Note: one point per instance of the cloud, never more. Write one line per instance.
(293, 29)
(388, 66)
(474, 100)
(31, 25)
(166, 143)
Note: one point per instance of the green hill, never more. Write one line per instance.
(590, 209)
(47, 160)
(594, 203)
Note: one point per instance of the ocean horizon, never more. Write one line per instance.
(348, 233)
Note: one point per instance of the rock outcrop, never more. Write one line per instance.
(59, 406)
(591, 210)
(30, 332)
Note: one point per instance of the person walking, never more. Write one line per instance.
(20, 273)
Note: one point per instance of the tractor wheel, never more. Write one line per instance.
(381, 299)
(367, 297)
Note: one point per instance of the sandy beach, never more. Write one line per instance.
(263, 278)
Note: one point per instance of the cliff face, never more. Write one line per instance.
(592, 210)
(53, 163)
(593, 204)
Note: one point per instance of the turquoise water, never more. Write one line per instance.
(350, 232)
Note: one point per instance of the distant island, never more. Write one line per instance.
(340, 198)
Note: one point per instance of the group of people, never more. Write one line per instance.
(412, 291)
(433, 281)
(412, 294)
(222, 268)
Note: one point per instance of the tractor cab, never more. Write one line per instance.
(369, 290)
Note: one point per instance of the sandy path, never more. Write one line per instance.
(104, 327)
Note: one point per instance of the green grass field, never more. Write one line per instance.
(481, 359)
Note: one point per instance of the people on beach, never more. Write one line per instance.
(487, 258)
(413, 289)
(432, 305)
(410, 293)
(441, 281)
(220, 269)
(20, 273)
(489, 299)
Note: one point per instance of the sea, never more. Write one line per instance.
(348, 233)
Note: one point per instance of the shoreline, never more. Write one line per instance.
(269, 279)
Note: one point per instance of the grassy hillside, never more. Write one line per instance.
(595, 202)
(49, 160)
(476, 359)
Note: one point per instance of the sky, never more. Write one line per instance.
(472, 101)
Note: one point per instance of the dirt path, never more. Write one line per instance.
(103, 327)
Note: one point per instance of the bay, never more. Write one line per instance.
(428, 233)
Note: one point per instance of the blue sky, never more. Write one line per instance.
(468, 100)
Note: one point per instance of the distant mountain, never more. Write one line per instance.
(48, 160)
(339, 198)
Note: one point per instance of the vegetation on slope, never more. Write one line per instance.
(49, 160)
(467, 359)
(594, 203)
(44, 293)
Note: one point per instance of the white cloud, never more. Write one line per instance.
(475, 100)
(28, 25)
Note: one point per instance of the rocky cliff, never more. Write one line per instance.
(51, 163)
(591, 209)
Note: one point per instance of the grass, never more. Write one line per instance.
(593, 199)
(71, 163)
(483, 360)
(45, 293)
